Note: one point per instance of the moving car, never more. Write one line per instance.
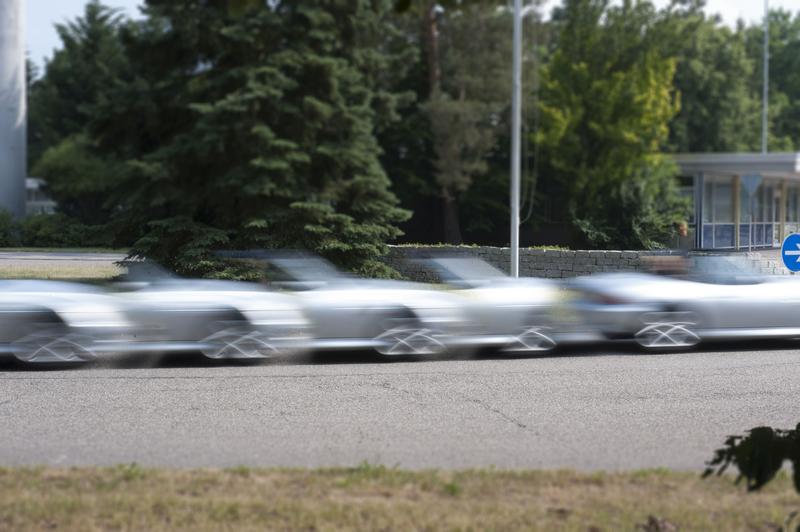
(220, 319)
(394, 318)
(49, 321)
(721, 298)
(511, 315)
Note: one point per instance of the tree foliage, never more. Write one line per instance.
(784, 89)
(211, 124)
(463, 87)
(63, 101)
(80, 179)
(253, 129)
(466, 109)
(607, 99)
(713, 79)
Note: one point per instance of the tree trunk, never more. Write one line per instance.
(431, 34)
(452, 227)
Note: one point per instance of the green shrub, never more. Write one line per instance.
(9, 230)
(58, 230)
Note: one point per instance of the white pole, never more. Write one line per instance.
(12, 107)
(516, 131)
(765, 96)
(752, 209)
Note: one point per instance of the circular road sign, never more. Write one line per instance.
(790, 252)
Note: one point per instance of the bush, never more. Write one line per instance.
(79, 180)
(9, 231)
(58, 230)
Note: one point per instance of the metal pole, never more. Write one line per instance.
(765, 96)
(750, 237)
(516, 123)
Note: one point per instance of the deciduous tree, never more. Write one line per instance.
(607, 99)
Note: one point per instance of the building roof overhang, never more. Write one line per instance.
(765, 164)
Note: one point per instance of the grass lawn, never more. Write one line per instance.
(378, 498)
(74, 269)
(64, 270)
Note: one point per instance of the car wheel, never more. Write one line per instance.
(534, 339)
(240, 342)
(409, 337)
(668, 330)
(534, 336)
(55, 345)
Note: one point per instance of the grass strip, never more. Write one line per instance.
(63, 270)
(379, 498)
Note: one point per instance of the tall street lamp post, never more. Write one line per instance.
(516, 126)
(765, 95)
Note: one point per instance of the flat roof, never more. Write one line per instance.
(780, 164)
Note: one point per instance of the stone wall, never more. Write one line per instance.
(552, 264)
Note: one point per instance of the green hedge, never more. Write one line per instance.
(51, 230)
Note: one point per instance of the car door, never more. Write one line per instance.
(761, 304)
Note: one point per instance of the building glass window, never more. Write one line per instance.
(744, 205)
(758, 213)
(708, 201)
(792, 211)
(791, 205)
(686, 190)
(744, 234)
(723, 235)
(768, 203)
(719, 230)
(757, 203)
(764, 205)
(723, 202)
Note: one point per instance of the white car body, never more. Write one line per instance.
(221, 319)
(49, 321)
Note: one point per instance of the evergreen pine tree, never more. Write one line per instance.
(253, 125)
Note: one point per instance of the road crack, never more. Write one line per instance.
(486, 406)
(400, 391)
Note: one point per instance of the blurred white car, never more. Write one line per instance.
(512, 315)
(220, 319)
(722, 298)
(49, 321)
(394, 318)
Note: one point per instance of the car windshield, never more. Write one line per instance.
(455, 269)
(302, 268)
(718, 269)
(287, 267)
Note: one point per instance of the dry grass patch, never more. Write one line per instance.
(59, 269)
(378, 498)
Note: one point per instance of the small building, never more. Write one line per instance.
(741, 201)
(36, 200)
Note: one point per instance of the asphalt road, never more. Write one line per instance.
(598, 411)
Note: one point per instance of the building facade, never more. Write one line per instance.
(741, 201)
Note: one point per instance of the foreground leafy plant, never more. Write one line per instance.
(759, 456)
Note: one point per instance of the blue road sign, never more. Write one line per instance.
(790, 252)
